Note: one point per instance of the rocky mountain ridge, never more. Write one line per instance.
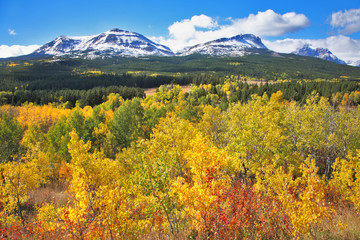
(118, 42)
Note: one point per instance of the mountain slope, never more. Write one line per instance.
(115, 42)
(322, 53)
(239, 45)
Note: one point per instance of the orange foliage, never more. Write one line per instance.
(242, 213)
(43, 116)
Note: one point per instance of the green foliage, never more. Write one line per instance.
(229, 160)
(71, 97)
(126, 125)
(11, 134)
(72, 73)
(58, 135)
(58, 138)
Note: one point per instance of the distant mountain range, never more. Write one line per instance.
(322, 53)
(118, 42)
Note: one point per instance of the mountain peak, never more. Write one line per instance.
(117, 30)
(238, 45)
(322, 53)
(115, 42)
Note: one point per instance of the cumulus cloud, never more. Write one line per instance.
(11, 32)
(203, 21)
(347, 21)
(16, 50)
(287, 45)
(186, 29)
(269, 23)
(202, 28)
(343, 47)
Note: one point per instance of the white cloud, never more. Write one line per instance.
(11, 32)
(269, 23)
(347, 21)
(287, 45)
(343, 47)
(187, 33)
(16, 50)
(203, 21)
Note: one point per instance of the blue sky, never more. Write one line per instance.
(180, 23)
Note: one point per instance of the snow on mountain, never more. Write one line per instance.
(322, 53)
(115, 42)
(118, 42)
(239, 45)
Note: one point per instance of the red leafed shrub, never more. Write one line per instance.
(242, 213)
(29, 230)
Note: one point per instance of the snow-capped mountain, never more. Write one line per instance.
(118, 42)
(115, 42)
(322, 53)
(239, 45)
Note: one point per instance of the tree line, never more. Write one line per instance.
(70, 97)
(236, 91)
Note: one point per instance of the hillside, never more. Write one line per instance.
(59, 73)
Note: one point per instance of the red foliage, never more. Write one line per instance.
(28, 230)
(15, 231)
(242, 213)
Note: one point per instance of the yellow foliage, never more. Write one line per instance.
(155, 165)
(205, 180)
(17, 179)
(87, 111)
(12, 64)
(213, 126)
(43, 116)
(302, 198)
(164, 96)
(93, 72)
(256, 135)
(100, 205)
(346, 177)
(48, 216)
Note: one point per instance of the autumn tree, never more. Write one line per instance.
(17, 179)
(155, 165)
(257, 135)
(302, 198)
(346, 177)
(102, 205)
